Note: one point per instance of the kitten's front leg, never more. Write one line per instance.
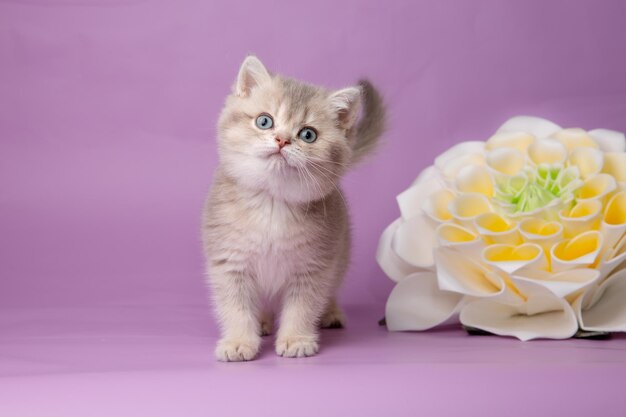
(303, 305)
(236, 301)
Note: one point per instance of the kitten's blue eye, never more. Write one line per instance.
(264, 121)
(308, 135)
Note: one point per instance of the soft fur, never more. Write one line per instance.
(275, 228)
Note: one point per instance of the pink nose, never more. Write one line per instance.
(282, 142)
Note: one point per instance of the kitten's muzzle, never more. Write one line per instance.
(282, 142)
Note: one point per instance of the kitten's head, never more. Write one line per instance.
(289, 138)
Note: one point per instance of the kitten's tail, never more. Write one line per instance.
(372, 122)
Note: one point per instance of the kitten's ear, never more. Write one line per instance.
(251, 74)
(345, 103)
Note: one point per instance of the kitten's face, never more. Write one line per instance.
(286, 137)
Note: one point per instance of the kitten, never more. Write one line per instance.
(275, 225)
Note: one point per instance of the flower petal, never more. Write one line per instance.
(391, 264)
(410, 200)
(561, 284)
(467, 206)
(608, 312)
(588, 160)
(613, 226)
(458, 272)
(459, 150)
(547, 152)
(436, 205)
(580, 251)
(414, 241)
(615, 165)
(506, 161)
(543, 315)
(575, 138)
(537, 230)
(515, 140)
(597, 186)
(497, 229)
(416, 303)
(536, 126)
(474, 179)
(510, 258)
(609, 140)
(584, 216)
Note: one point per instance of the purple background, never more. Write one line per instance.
(107, 115)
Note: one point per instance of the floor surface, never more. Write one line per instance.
(128, 361)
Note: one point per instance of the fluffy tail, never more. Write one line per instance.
(372, 122)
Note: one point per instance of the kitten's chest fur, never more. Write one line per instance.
(269, 238)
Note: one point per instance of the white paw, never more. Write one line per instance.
(236, 350)
(296, 347)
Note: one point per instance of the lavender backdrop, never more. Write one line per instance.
(108, 107)
(107, 114)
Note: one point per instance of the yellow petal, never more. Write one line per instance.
(506, 161)
(589, 161)
(466, 207)
(585, 215)
(615, 212)
(596, 187)
(576, 252)
(474, 179)
(538, 227)
(454, 234)
(436, 205)
(613, 226)
(510, 258)
(503, 253)
(547, 152)
(575, 138)
(517, 140)
(540, 231)
(497, 229)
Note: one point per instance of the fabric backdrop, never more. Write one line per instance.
(108, 111)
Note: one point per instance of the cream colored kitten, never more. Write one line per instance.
(275, 227)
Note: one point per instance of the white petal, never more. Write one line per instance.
(575, 138)
(515, 140)
(460, 149)
(435, 206)
(511, 258)
(613, 226)
(416, 303)
(580, 251)
(561, 284)
(458, 272)
(427, 173)
(615, 165)
(608, 313)
(588, 160)
(506, 161)
(474, 179)
(391, 264)
(536, 126)
(468, 206)
(497, 229)
(543, 316)
(547, 152)
(597, 187)
(584, 216)
(410, 201)
(414, 242)
(609, 140)
(539, 231)
(454, 236)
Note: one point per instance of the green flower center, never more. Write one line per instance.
(536, 187)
